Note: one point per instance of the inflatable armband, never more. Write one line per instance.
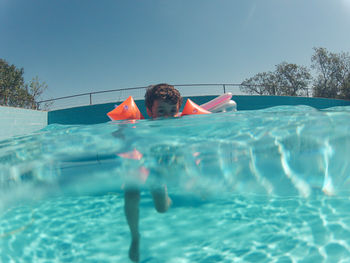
(192, 108)
(222, 103)
(127, 110)
(224, 107)
(134, 155)
(224, 98)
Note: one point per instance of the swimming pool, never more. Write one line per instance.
(251, 186)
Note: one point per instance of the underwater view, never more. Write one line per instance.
(269, 185)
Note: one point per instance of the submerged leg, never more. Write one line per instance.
(161, 200)
(131, 208)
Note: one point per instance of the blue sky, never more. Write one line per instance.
(79, 46)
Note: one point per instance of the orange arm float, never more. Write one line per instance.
(192, 108)
(134, 155)
(126, 111)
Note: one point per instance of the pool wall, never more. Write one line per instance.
(16, 121)
(93, 114)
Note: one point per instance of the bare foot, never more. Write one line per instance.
(134, 253)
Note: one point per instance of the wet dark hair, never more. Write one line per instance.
(164, 92)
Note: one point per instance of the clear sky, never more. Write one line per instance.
(79, 46)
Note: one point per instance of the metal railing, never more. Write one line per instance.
(118, 95)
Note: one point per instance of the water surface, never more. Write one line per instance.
(269, 185)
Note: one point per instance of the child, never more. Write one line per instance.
(164, 101)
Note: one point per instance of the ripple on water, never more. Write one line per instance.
(246, 229)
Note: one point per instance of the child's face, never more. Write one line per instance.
(163, 109)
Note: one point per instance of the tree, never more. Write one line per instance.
(262, 84)
(288, 80)
(36, 89)
(333, 79)
(14, 91)
(11, 81)
(293, 80)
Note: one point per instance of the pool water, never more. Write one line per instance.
(252, 186)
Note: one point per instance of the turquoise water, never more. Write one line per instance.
(251, 186)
